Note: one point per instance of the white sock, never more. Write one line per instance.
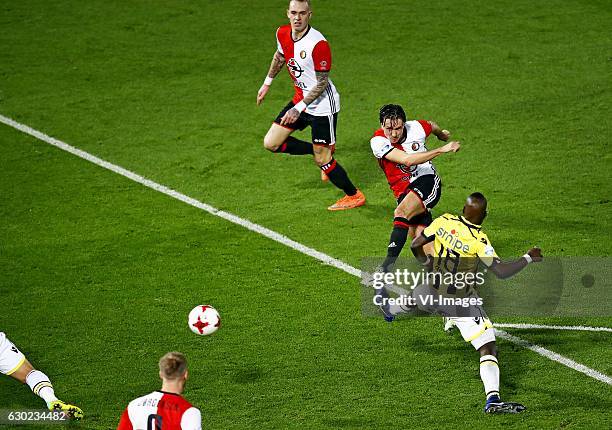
(489, 373)
(40, 385)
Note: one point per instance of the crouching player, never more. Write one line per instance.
(13, 363)
(475, 248)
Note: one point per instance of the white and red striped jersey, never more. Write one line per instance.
(304, 58)
(398, 175)
(160, 411)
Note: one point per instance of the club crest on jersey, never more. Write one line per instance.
(303, 54)
(415, 146)
(409, 170)
(295, 68)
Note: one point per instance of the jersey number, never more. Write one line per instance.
(154, 422)
(450, 264)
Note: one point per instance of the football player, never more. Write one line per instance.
(400, 148)
(316, 101)
(164, 409)
(459, 240)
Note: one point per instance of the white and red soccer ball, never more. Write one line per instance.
(204, 320)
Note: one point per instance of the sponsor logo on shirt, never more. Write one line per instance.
(295, 68)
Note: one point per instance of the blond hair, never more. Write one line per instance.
(173, 365)
(301, 1)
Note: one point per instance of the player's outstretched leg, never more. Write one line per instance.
(489, 373)
(14, 364)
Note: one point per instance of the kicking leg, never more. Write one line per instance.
(410, 206)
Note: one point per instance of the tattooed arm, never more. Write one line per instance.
(293, 114)
(322, 81)
(278, 61)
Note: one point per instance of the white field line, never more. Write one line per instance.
(277, 237)
(554, 327)
(555, 357)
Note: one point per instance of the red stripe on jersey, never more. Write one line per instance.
(397, 175)
(380, 132)
(284, 37)
(124, 422)
(171, 407)
(321, 56)
(426, 126)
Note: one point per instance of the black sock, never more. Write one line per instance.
(398, 238)
(338, 177)
(295, 146)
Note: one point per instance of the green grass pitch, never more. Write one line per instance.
(98, 274)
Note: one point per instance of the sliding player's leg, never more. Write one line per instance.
(14, 364)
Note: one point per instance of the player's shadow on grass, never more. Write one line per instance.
(247, 375)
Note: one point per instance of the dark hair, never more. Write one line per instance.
(478, 197)
(392, 112)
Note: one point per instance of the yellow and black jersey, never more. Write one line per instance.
(459, 244)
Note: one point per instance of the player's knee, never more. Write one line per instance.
(402, 212)
(321, 158)
(488, 349)
(270, 143)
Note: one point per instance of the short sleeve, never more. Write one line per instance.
(321, 57)
(380, 146)
(426, 127)
(430, 231)
(124, 422)
(191, 420)
(486, 252)
(279, 47)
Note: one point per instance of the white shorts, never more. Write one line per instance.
(478, 331)
(11, 358)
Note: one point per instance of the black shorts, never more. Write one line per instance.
(323, 128)
(428, 189)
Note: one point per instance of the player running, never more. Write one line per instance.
(316, 102)
(13, 363)
(399, 146)
(164, 409)
(446, 232)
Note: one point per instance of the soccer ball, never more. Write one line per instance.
(204, 320)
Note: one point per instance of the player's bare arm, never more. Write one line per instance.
(278, 61)
(292, 115)
(401, 157)
(506, 270)
(417, 248)
(442, 135)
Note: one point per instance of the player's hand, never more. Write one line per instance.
(451, 147)
(536, 254)
(261, 94)
(290, 117)
(444, 135)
